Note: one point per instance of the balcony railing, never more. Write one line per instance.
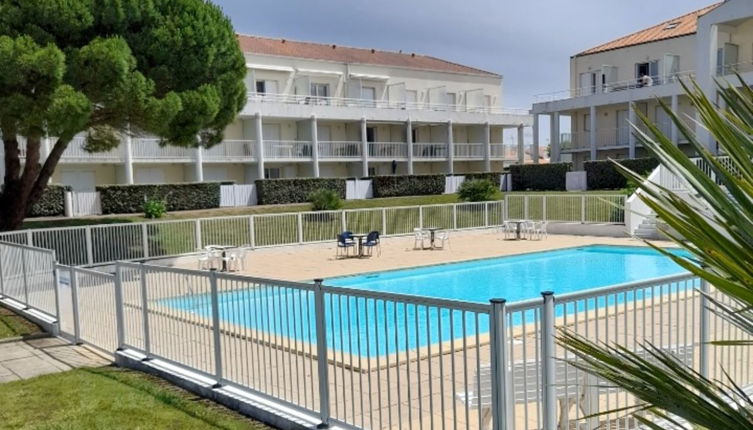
(230, 150)
(150, 149)
(388, 150)
(654, 81)
(731, 69)
(500, 151)
(469, 150)
(329, 149)
(254, 97)
(430, 150)
(287, 149)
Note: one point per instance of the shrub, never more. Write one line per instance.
(477, 190)
(493, 177)
(179, 197)
(602, 174)
(540, 177)
(325, 200)
(155, 208)
(52, 202)
(296, 190)
(408, 185)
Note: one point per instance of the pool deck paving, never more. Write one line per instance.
(26, 359)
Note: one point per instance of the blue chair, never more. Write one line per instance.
(372, 241)
(343, 246)
(348, 235)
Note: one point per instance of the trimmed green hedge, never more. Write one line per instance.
(602, 174)
(180, 197)
(540, 177)
(52, 202)
(408, 185)
(493, 177)
(296, 190)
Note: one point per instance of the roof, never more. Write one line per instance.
(344, 54)
(677, 27)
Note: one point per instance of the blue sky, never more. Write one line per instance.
(527, 41)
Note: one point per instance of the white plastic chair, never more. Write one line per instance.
(441, 238)
(509, 230)
(207, 260)
(419, 235)
(527, 229)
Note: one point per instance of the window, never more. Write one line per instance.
(266, 87)
(370, 134)
(647, 74)
(672, 25)
(261, 87)
(272, 173)
(368, 94)
(452, 100)
(414, 135)
(372, 171)
(411, 98)
(587, 122)
(320, 90)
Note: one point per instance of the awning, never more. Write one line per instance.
(268, 67)
(319, 72)
(369, 77)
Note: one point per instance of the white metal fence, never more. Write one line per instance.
(85, 203)
(238, 195)
(96, 244)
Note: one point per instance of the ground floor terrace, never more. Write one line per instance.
(392, 360)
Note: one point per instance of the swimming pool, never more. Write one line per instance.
(372, 327)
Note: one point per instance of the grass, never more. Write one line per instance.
(13, 325)
(110, 398)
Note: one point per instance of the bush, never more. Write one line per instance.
(408, 185)
(52, 202)
(540, 177)
(325, 200)
(493, 177)
(477, 190)
(297, 190)
(603, 175)
(179, 197)
(155, 208)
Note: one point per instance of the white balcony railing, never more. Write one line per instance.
(469, 150)
(654, 81)
(287, 149)
(501, 151)
(254, 97)
(232, 150)
(388, 150)
(430, 150)
(75, 151)
(150, 149)
(330, 149)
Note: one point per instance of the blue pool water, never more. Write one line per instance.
(369, 327)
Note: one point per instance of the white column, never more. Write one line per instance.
(409, 140)
(314, 146)
(259, 146)
(522, 146)
(364, 150)
(707, 42)
(128, 152)
(554, 126)
(450, 149)
(199, 162)
(674, 131)
(487, 147)
(631, 135)
(592, 135)
(535, 148)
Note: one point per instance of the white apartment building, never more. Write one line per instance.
(609, 82)
(317, 110)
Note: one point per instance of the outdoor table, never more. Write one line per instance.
(432, 234)
(359, 238)
(224, 249)
(518, 223)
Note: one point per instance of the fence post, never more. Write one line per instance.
(525, 206)
(547, 355)
(486, 214)
(704, 335)
(145, 239)
(197, 233)
(2, 281)
(454, 216)
(583, 209)
(119, 317)
(145, 315)
(543, 215)
(344, 221)
(421, 217)
(506, 208)
(499, 360)
(74, 303)
(384, 221)
(25, 278)
(251, 231)
(216, 328)
(29, 238)
(321, 354)
(89, 245)
(300, 228)
(56, 290)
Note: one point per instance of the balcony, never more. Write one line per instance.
(232, 150)
(75, 153)
(430, 151)
(469, 150)
(287, 150)
(339, 150)
(388, 150)
(500, 151)
(149, 149)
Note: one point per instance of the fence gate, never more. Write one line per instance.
(237, 195)
(86, 203)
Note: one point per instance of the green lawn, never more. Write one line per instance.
(13, 325)
(110, 398)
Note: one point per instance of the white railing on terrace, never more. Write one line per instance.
(430, 150)
(287, 149)
(469, 150)
(370, 359)
(378, 104)
(330, 149)
(731, 69)
(75, 151)
(656, 81)
(388, 150)
(150, 149)
(231, 150)
(504, 151)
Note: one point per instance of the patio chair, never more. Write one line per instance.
(441, 238)
(527, 229)
(348, 235)
(344, 246)
(509, 230)
(234, 259)
(538, 231)
(372, 241)
(419, 235)
(207, 259)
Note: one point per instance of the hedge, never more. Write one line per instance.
(602, 174)
(493, 177)
(296, 190)
(408, 185)
(180, 197)
(52, 202)
(540, 177)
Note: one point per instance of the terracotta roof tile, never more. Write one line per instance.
(344, 54)
(677, 27)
